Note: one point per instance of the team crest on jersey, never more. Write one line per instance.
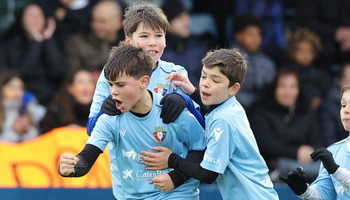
(159, 134)
(160, 89)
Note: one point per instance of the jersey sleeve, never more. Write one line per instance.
(193, 108)
(219, 146)
(100, 94)
(104, 132)
(324, 184)
(191, 132)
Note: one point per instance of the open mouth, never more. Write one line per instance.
(118, 104)
(205, 95)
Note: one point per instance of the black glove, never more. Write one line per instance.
(173, 105)
(296, 180)
(327, 159)
(108, 107)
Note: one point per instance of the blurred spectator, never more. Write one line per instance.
(331, 126)
(303, 49)
(72, 16)
(261, 69)
(19, 112)
(182, 47)
(90, 50)
(286, 131)
(270, 13)
(32, 50)
(71, 105)
(330, 19)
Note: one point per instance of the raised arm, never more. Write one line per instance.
(79, 165)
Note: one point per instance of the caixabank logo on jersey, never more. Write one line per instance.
(141, 174)
(159, 134)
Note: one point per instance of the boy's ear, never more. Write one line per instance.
(235, 88)
(127, 39)
(144, 81)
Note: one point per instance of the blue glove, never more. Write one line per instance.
(173, 105)
(108, 107)
(296, 180)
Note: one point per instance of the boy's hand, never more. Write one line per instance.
(173, 105)
(156, 161)
(163, 182)
(296, 180)
(67, 164)
(179, 79)
(108, 107)
(327, 159)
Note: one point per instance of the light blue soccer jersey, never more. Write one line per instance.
(233, 153)
(158, 84)
(131, 134)
(326, 184)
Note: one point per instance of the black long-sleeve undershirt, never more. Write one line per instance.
(191, 169)
(90, 153)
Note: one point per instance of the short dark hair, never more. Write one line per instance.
(129, 60)
(231, 63)
(149, 14)
(241, 22)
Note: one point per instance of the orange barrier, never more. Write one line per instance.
(34, 163)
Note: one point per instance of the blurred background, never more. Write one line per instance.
(51, 53)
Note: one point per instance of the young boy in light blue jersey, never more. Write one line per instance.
(145, 26)
(333, 181)
(232, 156)
(138, 127)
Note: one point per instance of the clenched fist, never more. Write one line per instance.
(67, 164)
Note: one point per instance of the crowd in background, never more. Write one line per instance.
(298, 54)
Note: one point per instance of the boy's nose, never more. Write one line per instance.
(152, 41)
(114, 90)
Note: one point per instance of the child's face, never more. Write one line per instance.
(13, 90)
(82, 88)
(287, 90)
(127, 92)
(345, 110)
(304, 53)
(214, 86)
(152, 41)
(250, 38)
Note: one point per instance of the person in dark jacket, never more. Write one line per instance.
(303, 49)
(286, 131)
(32, 50)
